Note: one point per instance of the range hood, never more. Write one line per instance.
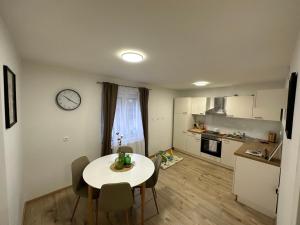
(219, 107)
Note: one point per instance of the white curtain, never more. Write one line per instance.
(128, 120)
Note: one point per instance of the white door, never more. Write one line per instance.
(240, 106)
(228, 149)
(182, 122)
(198, 105)
(182, 105)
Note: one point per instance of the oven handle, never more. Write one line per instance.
(206, 139)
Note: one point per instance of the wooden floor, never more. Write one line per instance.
(192, 192)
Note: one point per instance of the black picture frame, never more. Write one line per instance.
(291, 105)
(10, 97)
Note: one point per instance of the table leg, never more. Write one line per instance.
(90, 206)
(143, 187)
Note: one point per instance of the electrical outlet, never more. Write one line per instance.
(66, 139)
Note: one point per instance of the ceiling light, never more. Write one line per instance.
(132, 57)
(201, 83)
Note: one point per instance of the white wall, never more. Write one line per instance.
(290, 166)
(11, 201)
(47, 158)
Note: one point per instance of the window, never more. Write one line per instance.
(128, 120)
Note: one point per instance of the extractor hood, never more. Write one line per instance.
(218, 107)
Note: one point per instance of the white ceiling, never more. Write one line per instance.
(224, 42)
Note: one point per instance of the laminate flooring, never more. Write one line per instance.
(192, 192)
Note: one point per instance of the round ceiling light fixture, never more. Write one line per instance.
(132, 56)
(201, 83)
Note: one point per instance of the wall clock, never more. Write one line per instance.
(68, 99)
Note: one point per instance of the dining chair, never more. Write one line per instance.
(116, 197)
(152, 181)
(125, 149)
(79, 186)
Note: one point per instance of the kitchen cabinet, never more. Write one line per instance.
(182, 105)
(228, 149)
(255, 184)
(183, 121)
(198, 105)
(269, 104)
(240, 106)
(193, 143)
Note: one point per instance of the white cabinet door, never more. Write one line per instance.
(193, 143)
(240, 106)
(198, 105)
(269, 104)
(179, 141)
(182, 105)
(182, 122)
(255, 184)
(228, 149)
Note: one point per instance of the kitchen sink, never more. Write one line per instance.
(234, 136)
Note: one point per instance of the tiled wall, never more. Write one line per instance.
(253, 128)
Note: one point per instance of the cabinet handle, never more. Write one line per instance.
(258, 117)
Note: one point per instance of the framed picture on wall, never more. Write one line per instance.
(10, 98)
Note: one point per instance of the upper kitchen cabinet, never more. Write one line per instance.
(269, 104)
(199, 105)
(240, 106)
(182, 105)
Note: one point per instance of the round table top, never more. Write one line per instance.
(98, 172)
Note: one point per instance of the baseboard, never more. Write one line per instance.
(46, 195)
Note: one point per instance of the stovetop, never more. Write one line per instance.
(209, 134)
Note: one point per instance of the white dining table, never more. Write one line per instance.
(98, 173)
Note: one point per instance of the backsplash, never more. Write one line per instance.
(252, 128)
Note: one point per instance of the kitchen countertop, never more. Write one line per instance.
(249, 144)
(196, 130)
(255, 144)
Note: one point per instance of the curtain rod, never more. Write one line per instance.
(99, 82)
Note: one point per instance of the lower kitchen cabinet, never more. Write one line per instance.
(193, 143)
(228, 149)
(255, 184)
(188, 142)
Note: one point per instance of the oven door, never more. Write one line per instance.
(211, 147)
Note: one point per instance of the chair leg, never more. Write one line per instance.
(75, 207)
(155, 192)
(127, 217)
(133, 194)
(154, 197)
(97, 206)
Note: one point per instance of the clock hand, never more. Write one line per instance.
(70, 100)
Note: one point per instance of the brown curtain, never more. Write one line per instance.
(144, 97)
(109, 102)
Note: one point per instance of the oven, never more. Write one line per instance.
(211, 145)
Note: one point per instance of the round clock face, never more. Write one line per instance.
(68, 99)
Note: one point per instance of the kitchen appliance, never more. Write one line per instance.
(219, 107)
(211, 143)
(291, 105)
